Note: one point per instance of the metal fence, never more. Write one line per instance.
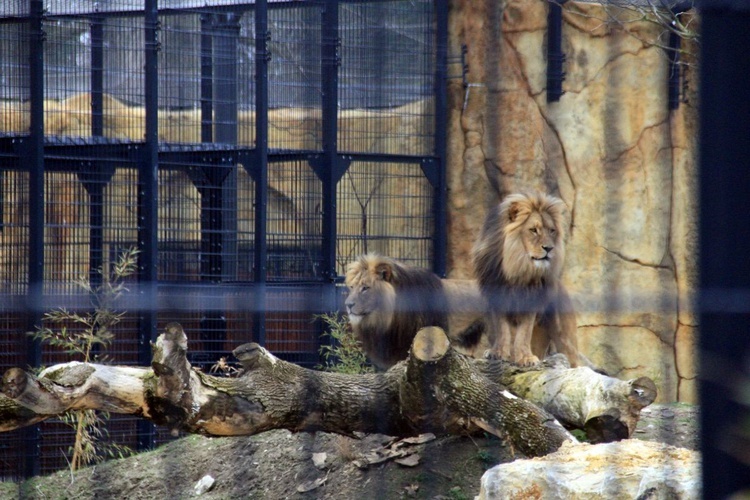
(249, 150)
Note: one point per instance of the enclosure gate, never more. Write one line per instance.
(247, 150)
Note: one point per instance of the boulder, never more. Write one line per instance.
(626, 469)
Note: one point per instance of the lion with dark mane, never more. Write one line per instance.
(518, 260)
(389, 302)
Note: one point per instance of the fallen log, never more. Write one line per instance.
(435, 390)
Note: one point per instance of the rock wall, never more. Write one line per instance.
(624, 163)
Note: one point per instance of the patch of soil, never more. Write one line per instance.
(279, 464)
(675, 424)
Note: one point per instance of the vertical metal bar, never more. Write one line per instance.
(440, 201)
(94, 187)
(148, 204)
(213, 323)
(724, 228)
(260, 257)
(555, 55)
(207, 78)
(227, 86)
(97, 76)
(331, 171)
(36, 209)
(218, 198)
(225, 66)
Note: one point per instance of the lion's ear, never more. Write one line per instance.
(513, 210)
(384, 271)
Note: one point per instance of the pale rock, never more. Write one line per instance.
(320, 460)
(625, 469)
(203, 485)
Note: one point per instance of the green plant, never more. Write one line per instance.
(580, 435)
(455, 493)
(485, 457)
(90, 330)
(343, 354)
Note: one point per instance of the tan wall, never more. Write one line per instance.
(623, 163)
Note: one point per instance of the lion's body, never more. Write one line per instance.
(518, 260)
(389, 302)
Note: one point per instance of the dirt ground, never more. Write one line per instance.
(280, 465)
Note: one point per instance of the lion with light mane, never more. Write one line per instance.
(389, 302)
(518, 260)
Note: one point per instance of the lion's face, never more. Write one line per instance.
(533, 245)
(372, 297)
(522, 242)
(539, 237)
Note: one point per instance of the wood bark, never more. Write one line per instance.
(435, 390)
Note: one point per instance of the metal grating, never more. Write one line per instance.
(213, 137)
(388, 68)
(387, 209)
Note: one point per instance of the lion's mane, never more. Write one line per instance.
(500, 257)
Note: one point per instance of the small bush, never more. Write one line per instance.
(93, 329)
(344, 353)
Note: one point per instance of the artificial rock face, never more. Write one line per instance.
(623, 162)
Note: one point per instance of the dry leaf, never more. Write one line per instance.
(311, 485)
(422, 438)
(410, 461)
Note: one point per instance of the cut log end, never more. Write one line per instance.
(430, 344)
(253, 356)
(247, 355)
(173, 332)
(14, 382)
(605, 429)
(642, 392)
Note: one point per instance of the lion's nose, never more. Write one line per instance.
(547, 248)
(349, 304)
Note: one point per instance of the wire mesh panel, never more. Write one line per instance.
(93, 76)
(14, 78)
(295, 95)
(385, 208)
(14, 232)
(67, 229)
(294, 222)
(292, 332)
(245, 226)
(387, 77)
(180, 249)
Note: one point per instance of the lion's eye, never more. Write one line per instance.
(534, 230)
(365, 288)
(552, 232)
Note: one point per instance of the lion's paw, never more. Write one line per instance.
(527, 360)
(494, 355)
